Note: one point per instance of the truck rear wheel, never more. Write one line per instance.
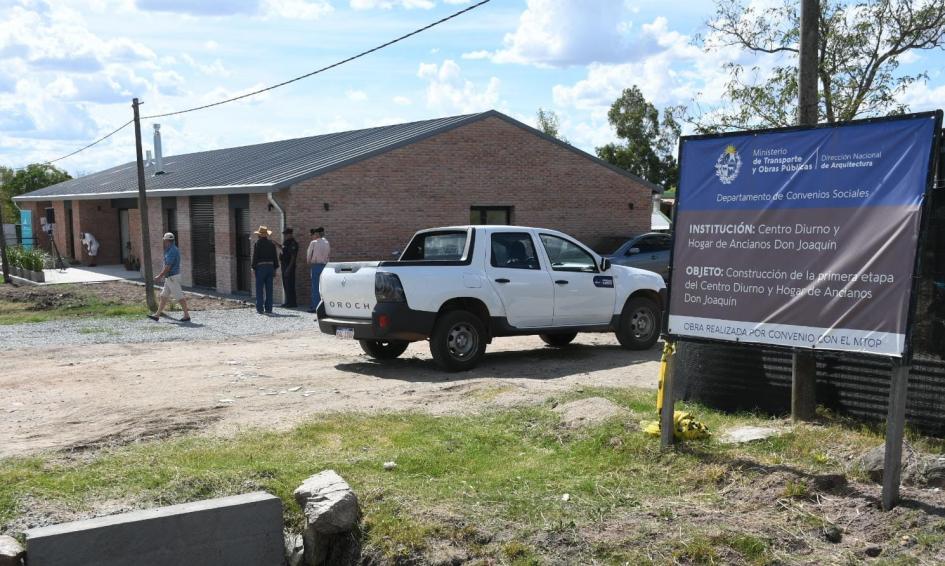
(458, 341)
(639, 326)
(558, 340)
(384, 349)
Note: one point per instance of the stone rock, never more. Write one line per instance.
(329, 504)
(331, 514)
(872, 463)
(11, 551)
(928, 471)
(745, 434)
(294, 549)
(590, 411)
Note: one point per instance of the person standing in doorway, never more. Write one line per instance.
(265, 261)
(290, 252)
(171, 276)
(317, 256)
(91, 246)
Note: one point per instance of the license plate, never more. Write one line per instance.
(344, 333)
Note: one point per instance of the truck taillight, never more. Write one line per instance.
(388, 289)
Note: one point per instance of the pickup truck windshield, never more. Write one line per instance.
(436, 246)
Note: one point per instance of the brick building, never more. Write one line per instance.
(370, 189)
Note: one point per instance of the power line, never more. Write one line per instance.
(99, 140)
(323, 69)
(275, 86)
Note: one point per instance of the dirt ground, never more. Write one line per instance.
(78, 398)
(119, 292)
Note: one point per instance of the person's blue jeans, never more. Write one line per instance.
(264, 275)
(316, 271)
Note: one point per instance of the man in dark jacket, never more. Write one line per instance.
(290, 251)
(265, 262)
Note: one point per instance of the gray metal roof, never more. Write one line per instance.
(269, 166)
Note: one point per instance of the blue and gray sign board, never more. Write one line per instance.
(802, 238)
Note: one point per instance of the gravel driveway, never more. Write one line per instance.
(206, 325)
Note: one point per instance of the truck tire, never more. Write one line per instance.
(639, 326)
(558, 340)
(384, 349)
(458, 341)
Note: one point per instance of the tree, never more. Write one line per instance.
(548, 123)
(861, 48)
(649, 150)
(30, 178)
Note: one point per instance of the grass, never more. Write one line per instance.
(85, 305)
(491, 484)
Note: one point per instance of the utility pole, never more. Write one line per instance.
(804, 364)
(3, 249)
(143, 211)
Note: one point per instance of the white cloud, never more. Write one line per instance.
(476, 55)
(356, 95)
(564, 32)
(401, 101)
(448, 91)
(297, 9)
(390, 4)
(214, 69)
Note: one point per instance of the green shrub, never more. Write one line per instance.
(15, 256)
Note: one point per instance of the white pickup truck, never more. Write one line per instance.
(460, 287)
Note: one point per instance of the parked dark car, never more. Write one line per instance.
(647, 251)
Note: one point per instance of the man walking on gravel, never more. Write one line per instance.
(317, 256)
(171, 276)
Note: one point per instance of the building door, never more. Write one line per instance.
(244, 249)
(203, 240)
(70, 232)
(124, 234)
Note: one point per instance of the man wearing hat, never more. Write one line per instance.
(171, 276)
(265, 261)
(317, 256)
(290, 251)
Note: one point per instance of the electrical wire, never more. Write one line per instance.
(99, 140)
(284, 83)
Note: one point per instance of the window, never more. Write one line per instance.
(436, 246)
(495, 215)
(652, 244)
(513, 250)
(567, 256)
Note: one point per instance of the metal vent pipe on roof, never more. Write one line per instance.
(158, 155)
(147, 158)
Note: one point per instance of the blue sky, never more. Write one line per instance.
(69, 69)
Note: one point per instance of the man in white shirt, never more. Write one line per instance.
(317, 256)
(91, 245)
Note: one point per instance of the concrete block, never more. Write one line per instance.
(233, 531)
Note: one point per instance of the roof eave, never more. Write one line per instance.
(169, 192)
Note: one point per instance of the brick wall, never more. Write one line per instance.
(184, 242)
(225, 244)
(38, 210)
(377, 204)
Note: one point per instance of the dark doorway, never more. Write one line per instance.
(124, 234)
(204, 245)
(169, 215)
(70, 232)
(243, 249)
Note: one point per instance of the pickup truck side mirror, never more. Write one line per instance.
(604, 264)
(633, 251)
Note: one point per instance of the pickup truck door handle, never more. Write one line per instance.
(502, 280)
(561, 282)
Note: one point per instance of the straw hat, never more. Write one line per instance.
(263, 231)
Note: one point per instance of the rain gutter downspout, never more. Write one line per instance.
(273, 202)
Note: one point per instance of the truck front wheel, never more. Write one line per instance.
(639, 324)
(458, 341)
(384, 349)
